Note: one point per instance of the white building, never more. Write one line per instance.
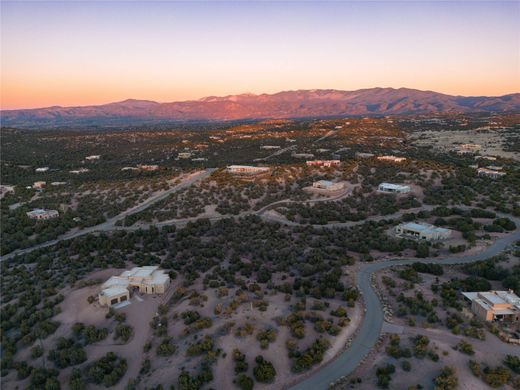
(364, 155)
(78, 171)
(184, 155)
(146, 280)
(42, 169)
(392, 159)
(323, 163)
(495, 305)
(302, 155)
(491, 173)
(93, 157)
(129, 169)
(328, 185)
(246, 170)
(390, 188)
(422, 231)
(270, 147)
(42, 214)
(58, 183)
(148, 167)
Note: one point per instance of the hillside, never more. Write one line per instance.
(288, 104)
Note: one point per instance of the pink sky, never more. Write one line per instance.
(81, 53)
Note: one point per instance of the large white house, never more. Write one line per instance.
(393, 188)
(146, 280)
(422, 231)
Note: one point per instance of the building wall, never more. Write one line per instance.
(481, 312)
(114, 299)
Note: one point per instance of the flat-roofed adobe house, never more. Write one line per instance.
(491, 173)
(323, 163)
(390, 188)
(422, 231)
(42, 214)
(392, 159)
(495, 305)
(146, 280)
(246, 169)
(328, 185)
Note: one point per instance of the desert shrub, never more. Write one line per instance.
(446, 380)
(203, 346)
(108, 370)
(244, 382)
(123, 332)
(465, 347)
(264, 370)
(166, 347)
(496, 377)
(67, 353)
(240, 361)
(384, 375)
(513, 362)
(266, 336)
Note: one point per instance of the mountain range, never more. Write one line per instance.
(287, 104)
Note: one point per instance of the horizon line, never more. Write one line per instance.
(247, 93)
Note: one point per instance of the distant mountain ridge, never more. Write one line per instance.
(281, 105)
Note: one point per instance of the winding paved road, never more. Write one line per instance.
(370, 329)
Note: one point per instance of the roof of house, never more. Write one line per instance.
(116, 281)
(113, 291)
(423, 227)
(41, 211)
(140, 272)
(325, 183)
(246, 167)
(394, 186)
(494, 297)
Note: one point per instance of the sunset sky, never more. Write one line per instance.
(79, 53)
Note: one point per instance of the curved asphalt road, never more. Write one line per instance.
(370, 329)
